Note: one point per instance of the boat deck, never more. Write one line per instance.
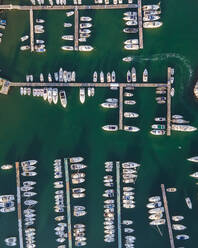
(19, 210)
(167, 216)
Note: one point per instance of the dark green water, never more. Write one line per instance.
(32, 129)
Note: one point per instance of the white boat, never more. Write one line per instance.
(154, 198)
(178, 227)
(130, 115)
(156, 216)
(131, 41)
(188, 202)
(113, 76)
(112, 100)
(182, 237)
(151, 7)
(63, 98)
(109, 105)
(177, 218)
(145, 76)
(85, 25)
(102, 77)
(129, 102)
(127, 222)
(85, 18)
(193, 159)
(183, 128)
(150, 18)
(67, 48)
(157, 132)
(24, 48)
(128, 94)
(29, 183)
(131, 129)
(171, 190)
(55, 95)
(127, 59)
(131, 47)
(45, 94)
(76, 159)
(133, 74)
(69, 13)
(154, 204)
(129, 165)
(85, 48)
(108, 77)
(82, 95)
(67, 25)
(67, 37)
(158, 222)
(78, 166)
(49, 95)
(29, 173)
(6, 167)
(156, 210)
(85, 31)
(111, 128)
(160, 119)
(95, 76)
(128, 76)
(21, 91)
(30, 202)
(23, 38)
(131, 23)
(29, 194)
(155, 24)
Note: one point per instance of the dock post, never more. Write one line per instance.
(169, 103)
(170, 231)
(118, 205)
(140, 24)
(121, 108)
(76, 23)
(19, 211)
(31, 30)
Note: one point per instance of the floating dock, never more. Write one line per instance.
(19, 211)
(169, 103)
(118, 205)
(121, 109)
(68, 204)
(140, 24)
(76, 23)
(170, 231)
(31, 30)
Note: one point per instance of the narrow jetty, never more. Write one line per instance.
(31, 30)
(118, 205)
(140, 24)
(76, 23)
(66, 7)
(170, 231)
(121, 109)
(19, 211)
(68, 204)
(169, 102)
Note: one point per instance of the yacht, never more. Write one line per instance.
(67, 48)
(85, 48)
(133, 73)
(63, 98)
(21, 91)
(154, 198)
(158, 222)
(24, 48)
(130, 30)
(178, 227)
(76, 159)
(193, 159)
(78, 166)
(158, 126)
(111, 128)
(127, 59)
(183, 128)
(182, 237)
(130, 115)
(151, 7)
(6, 167)
(102, 77)
(30, 202)
(23, 38)
(145, 76)
(69, 13)
(157, 132)
(128, 76)
(131, 23)
(85, 18)
(131, 47)
(131, 129)
(170, 190)
(150, 18)
(154, 204)
(160, 119)
(129, 165)
(29, 183)
(156, 210)
(49, 95)
(85, 25)
(188, 202)
(45, 94)
(108, 77)
(113, 76)
(55, 95)
(155, 24)
(95, 76)
(29, 173)
(67, 37)
(82, 95)
(129, 102)
(128, 94)
(177, 218)
(131, 41)
(67, 25)
(29, 194)
(109, 105)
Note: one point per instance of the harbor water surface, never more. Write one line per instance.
(33, 129)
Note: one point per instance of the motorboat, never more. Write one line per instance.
(188, 202)
(130, 30)
(76, 159)
(182, 237)
(154, 204)
(6, 167)
(29, 183)
(45, 95)
(30, 202)
(156, 216)
(158, 126)
(128, 94)
(102, 77)
(24, 48)
(130, 165)
(131, 47)
(133, 74)
(130, 115)
(131, 41)
(95, 76)
(49, 95)
(55, 95)
(145, 75)
(67, 48)
(156, 210)
(113, 77)
(129, 102)
(108, 77)
(63, 98)
(111, 128)
(85, 18)
(67, 25)
(183, 128)
(154, 198)
(131, 128)
(67, 37)
(85, 48)
(178, 227)
(127, 222)
(160, 119)
(82, 95)
(109, 105)
(128, 76)
(158, 222)
(127, 59)
(24, 38)
(193, 159)
(157, 132)
(69, 13)
(85, 31)
(85, 25)
(151, 7)
(155, 24)
(150, 18)
(29, 174)
(171, 189)
(177, 218)
(112, 100)
(29, 194)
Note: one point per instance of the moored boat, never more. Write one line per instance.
(63, 98)
(111, 128)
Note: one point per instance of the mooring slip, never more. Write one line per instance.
(76, 23)
(169, 102)
(140, 24)
(31, 30)
(66, 7)
(167, 216)
(68, 204)
(118, 204)
(20, 228)
(121, 109)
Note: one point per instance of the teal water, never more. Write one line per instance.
(32, 129)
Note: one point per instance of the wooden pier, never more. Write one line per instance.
(68, 204)
(19, 211)
(67, 7)
(118, 205)
(31, 30)
(76, 23)
(140, 24)
(169, 103)
(121, 109)
(167, 216)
